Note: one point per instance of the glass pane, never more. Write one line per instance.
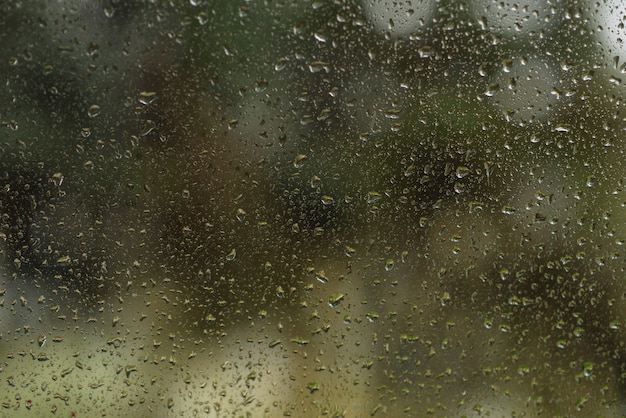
(312, 208)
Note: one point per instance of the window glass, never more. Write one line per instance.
(312, 208)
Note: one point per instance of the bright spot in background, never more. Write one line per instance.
(607, 21)
(528, 88)
(525, 17)
(399, 18)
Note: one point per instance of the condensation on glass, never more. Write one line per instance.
(312, 208)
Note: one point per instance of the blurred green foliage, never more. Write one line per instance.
(278, 207)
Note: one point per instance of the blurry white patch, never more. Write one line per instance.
(526, 90)
(525, 17)
(607, 21)
(399, 18)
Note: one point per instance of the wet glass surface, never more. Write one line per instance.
(312, 208)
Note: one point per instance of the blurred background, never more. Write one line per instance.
(314, 208)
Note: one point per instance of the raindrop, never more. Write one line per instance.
(327, 200)
(317, 66)
(148, 127)
(373, 197)
(321, 277)
(109, 11)
(507, 64)
(587, 368)
(492, 88)
(372, 316)
(426, 51)
(462, 171)
(231, 255)
(324, 114)
(147, 97)
(57, 179)
(389, 263)
(320, 37)
(202, 18)
(392, 114)
(335, 299)
(315, 182)
(260, 85)
(562, 127)
(299, 161)
(94, 110)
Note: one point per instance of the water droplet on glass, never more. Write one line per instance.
(507, 64)
(462, 171)
(588, 76)
(562, 127)
(317, 66)
(94, 110)
(392, 114)
(57, 179)
(566, 65)
(587, 368)
(147, 97)
(148, 127)
(373, 197)
(482, 70)
(260, 85)
(320, 37)
(335, 299)
(321, 276)
(324, 114)
(306, 119)
(492, 88)
(475, 206)
(274, 343)
(327, 200)
(508, 210)
(299, 161)
(372, 316)
(281, 63)
(426, 51)
(315, 182)
(231, 255)
(202, 18)
(109, 11)
(389, 263)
